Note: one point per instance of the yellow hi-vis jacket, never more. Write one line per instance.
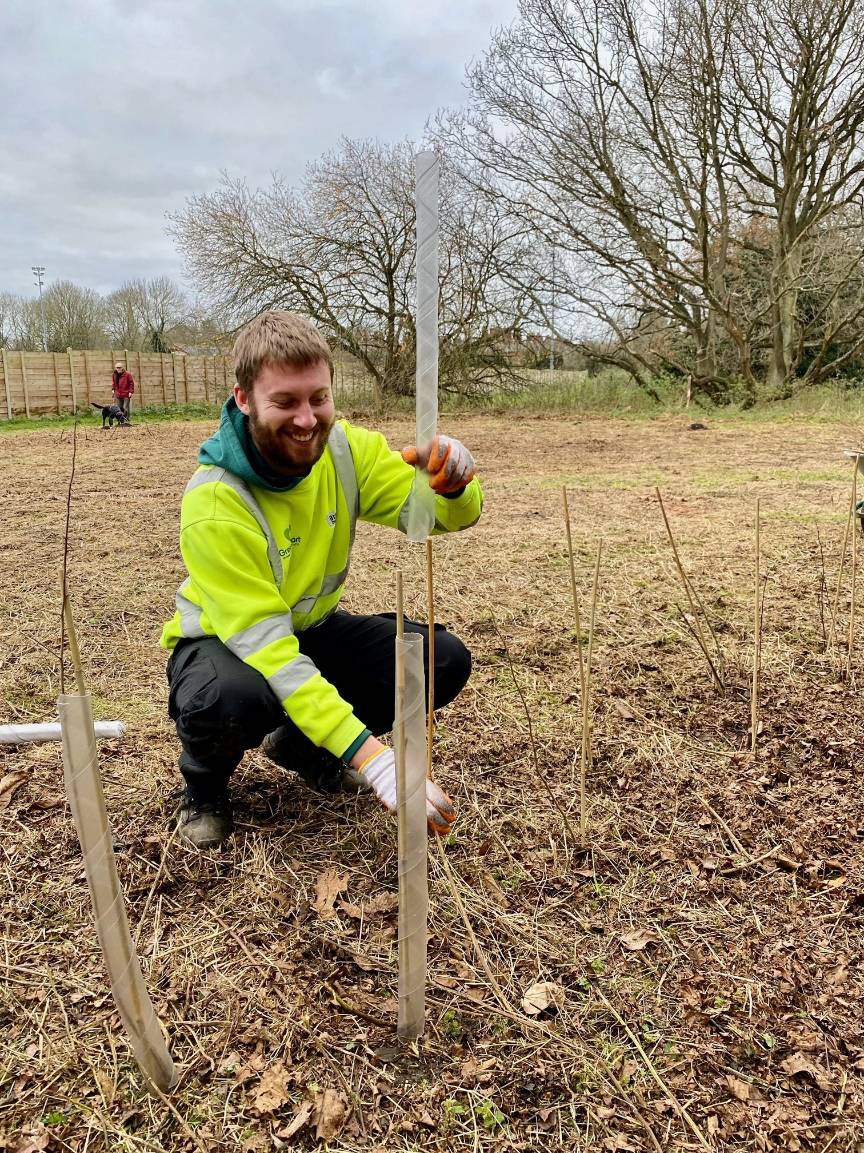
(265, 565)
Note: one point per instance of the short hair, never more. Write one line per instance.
(277, 337)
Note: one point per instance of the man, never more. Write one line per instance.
(123, 386)
(261, 650)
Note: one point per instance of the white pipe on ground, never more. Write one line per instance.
(41, 733)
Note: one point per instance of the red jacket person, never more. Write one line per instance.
(123, 386)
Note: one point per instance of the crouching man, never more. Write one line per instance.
(261, 653)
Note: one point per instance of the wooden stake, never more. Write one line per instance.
(757, 648)
(430, 612)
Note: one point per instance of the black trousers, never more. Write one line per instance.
(222, 706)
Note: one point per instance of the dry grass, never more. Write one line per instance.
(707, 945)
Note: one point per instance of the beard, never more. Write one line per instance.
(286, 456)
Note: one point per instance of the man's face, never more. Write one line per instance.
(290, 414)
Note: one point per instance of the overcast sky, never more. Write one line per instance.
(113, 114)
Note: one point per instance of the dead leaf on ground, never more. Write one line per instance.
(638, 939)
(623, 709)
(272, 1091)
(541, 996)
(327, 888)
(8, 785)
(743, 1090)
(799, 1064)
(331, 1113)
(302, 1117)
(378, 906)
(34, 1140)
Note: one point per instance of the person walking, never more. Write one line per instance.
(261, 652)
(123, 386)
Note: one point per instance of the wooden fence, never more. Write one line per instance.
(36, 383)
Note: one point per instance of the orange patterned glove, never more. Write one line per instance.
(449, 463)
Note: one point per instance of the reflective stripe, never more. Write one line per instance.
(250, 641)
(292, 676)
(190, 613)
(222, 476)
(343, 462)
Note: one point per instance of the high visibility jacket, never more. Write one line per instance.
(265, 565)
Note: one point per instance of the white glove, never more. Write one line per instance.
(448, 462)
(380, 772)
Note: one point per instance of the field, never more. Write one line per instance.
(704, 946)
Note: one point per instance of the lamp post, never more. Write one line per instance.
(38, 273)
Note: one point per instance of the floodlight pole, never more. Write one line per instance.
(38, 273)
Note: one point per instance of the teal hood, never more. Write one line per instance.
(232, 448)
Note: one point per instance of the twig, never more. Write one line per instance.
(757, 648)
(531, 740)
(340, 999)
(690, 597)
(649, 1065)
(463, 913)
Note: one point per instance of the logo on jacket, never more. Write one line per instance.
(292, 542)
(331, 519)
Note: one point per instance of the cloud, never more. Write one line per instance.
(125, 110)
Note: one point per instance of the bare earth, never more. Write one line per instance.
(704, 945)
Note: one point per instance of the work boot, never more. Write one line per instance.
(204, 822)
(319, 768)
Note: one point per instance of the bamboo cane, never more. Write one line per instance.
(757, 648)
(410, 749)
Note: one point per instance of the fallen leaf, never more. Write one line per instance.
(331, 1113)
(623, 709)
(638, 939)
(327, 888)
(301, 1118)
(273, 1089)
(738, 1088)
(378, 906)
(541, 996)
(8, 785)
(799, 1064)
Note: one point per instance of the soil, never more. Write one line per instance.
(698, 950)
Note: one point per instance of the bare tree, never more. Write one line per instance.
(74, 316)
(684, 159)
(142, 314)
(341, 250)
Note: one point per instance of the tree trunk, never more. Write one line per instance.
(784, 287)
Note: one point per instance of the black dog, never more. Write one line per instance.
(111, 412)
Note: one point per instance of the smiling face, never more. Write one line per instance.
(290, 412)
